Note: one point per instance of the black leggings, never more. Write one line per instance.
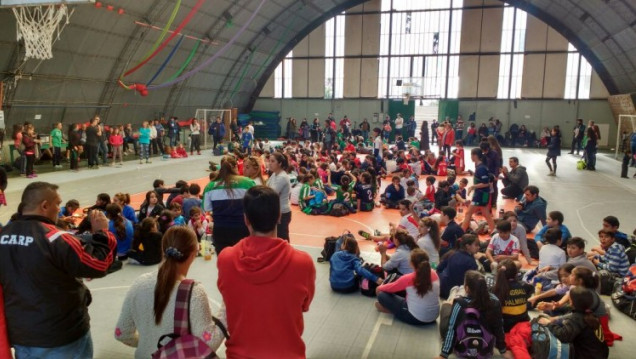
(554, 164)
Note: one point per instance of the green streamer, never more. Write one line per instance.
(183, 67)
(175, 11)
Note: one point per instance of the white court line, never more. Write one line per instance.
(384, 318)
(578, 214)
(307, 235)
(358, 222)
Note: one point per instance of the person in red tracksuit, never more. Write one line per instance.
(448, 139)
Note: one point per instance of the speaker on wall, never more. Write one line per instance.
(398, 83)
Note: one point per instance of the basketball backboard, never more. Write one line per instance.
(12, 3)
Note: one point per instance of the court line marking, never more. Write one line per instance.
(384, 318)
(578, 214)
(358, 222)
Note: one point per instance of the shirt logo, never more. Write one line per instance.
(16, 240)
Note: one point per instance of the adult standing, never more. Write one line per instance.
(514, 180)
(596, 129)
(234, 129)
(459, 127)
(315, 130)
(590, 145)
(293, 129)
(173, 131)
(129, 138)
(17, 144)
(399, 125)
(224, 198)
(424, 146)
(448, 139)
(264, 277)
(102, 145)
(92, 142)
(411, 126)
(577, 136)
(195, 137)
(279, 182)
(74, 145)
(365, 127)
(493, 163)
(434, 126)
(218, 132)
(153, 137)
(46, 306)
(160, 133)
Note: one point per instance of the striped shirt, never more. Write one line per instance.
(226, 205)
(615, 260)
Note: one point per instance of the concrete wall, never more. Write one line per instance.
(535, 114)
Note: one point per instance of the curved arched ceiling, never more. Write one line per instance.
(98, 45)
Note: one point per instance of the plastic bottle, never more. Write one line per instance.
(537, 288)
(207, 255)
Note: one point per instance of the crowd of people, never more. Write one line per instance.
(433, 264)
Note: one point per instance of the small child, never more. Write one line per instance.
(551, 255)
(66, 212)
(415, 166)
(175, 207)
(246, 142)
(413, 194)
(458, 158)
(198, 222)
(513, 295)
(364, 193)
(503, 245)
(554, 220)
(581, 327)
(116, 142)
(429, 194)
(557, 292)
(346, 267)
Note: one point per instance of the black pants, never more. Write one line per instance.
(576, 142)
(74, 159)
(216, 140)
(194, 143)
(223, 237)
(30, 159)
(282, 229)
(91, 155)
(511, 190)
(57, 156)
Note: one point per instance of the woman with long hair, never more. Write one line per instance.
(195, 137)
(224, 198)
(279, 182)
(424, 140)
(421, 305)
(495, 146)
(477, 297)
(252, 169)
(399, 261)
(122, 228)
(456, 263)
(149, 306)
(146, 246)
(512, 294)
(429, 239)
(151, 207)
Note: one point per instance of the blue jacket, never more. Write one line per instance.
(343, 266)
(392, 194)
(452, 270)
(533, 212)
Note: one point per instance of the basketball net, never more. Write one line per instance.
(39, 27)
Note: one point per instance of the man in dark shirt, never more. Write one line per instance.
(92, 142)
(452, 232)
(514, 180)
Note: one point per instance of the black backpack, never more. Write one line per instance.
(328, 249)
(368, 287)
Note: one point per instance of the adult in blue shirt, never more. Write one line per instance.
(481, 201)
(532, 209)
(456, 263)
(173, 131)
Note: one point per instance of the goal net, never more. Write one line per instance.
(208, 115)
(626, 126)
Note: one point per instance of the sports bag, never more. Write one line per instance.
(367, 287)
(624, 297)
(472, 339)
(545, 345)
(328, 249)
(182, 343)
(580, 165)
(338, 210)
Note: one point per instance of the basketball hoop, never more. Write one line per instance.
(39, 27)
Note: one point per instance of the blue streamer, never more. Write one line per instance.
(165, 62)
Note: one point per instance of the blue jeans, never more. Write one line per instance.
(79, 349)
(103, 150)
(397, 305)
(144, 151)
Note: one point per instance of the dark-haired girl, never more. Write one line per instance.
(279, 181)
(151, 207)
(478, 297)
(512, 294)
(346, 267)
(146, 246)
(456, 263)
(581, 328)
(148, 310)
(554, 150)
(121, 228)
(421, 305)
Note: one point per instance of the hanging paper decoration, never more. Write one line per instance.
(166, 61)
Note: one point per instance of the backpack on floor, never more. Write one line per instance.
(218, 151)
(472, 339)
(338, 210)
(367, 287)
(328, 249)
(182, 343)
(609, 281)
(624, 297)
(545, 345)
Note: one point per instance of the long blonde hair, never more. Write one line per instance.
(255, 162)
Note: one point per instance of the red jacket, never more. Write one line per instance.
(266, 285)
(5, 351)
(116, 140)
(449, 137)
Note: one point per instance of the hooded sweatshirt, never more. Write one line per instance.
(266, 285)
(532, 213)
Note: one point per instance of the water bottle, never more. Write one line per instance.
(208, 247)
(537, 288)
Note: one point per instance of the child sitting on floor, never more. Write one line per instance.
(346, 267)
(554, 220)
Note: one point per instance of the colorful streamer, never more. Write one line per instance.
(187, 62)
(141, 87)
(215, 56)
(166, 61)
(175, 11)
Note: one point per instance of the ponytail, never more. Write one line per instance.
(177, 245)
(506, 271)
(404, 238)
(113, 212)
(588, 277)
(582, 302)
(422, 265)
(433, 231)
(478, 292)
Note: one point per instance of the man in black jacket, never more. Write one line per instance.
(92, 142)
(46, 304)
(514, 180)
(577, 136)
